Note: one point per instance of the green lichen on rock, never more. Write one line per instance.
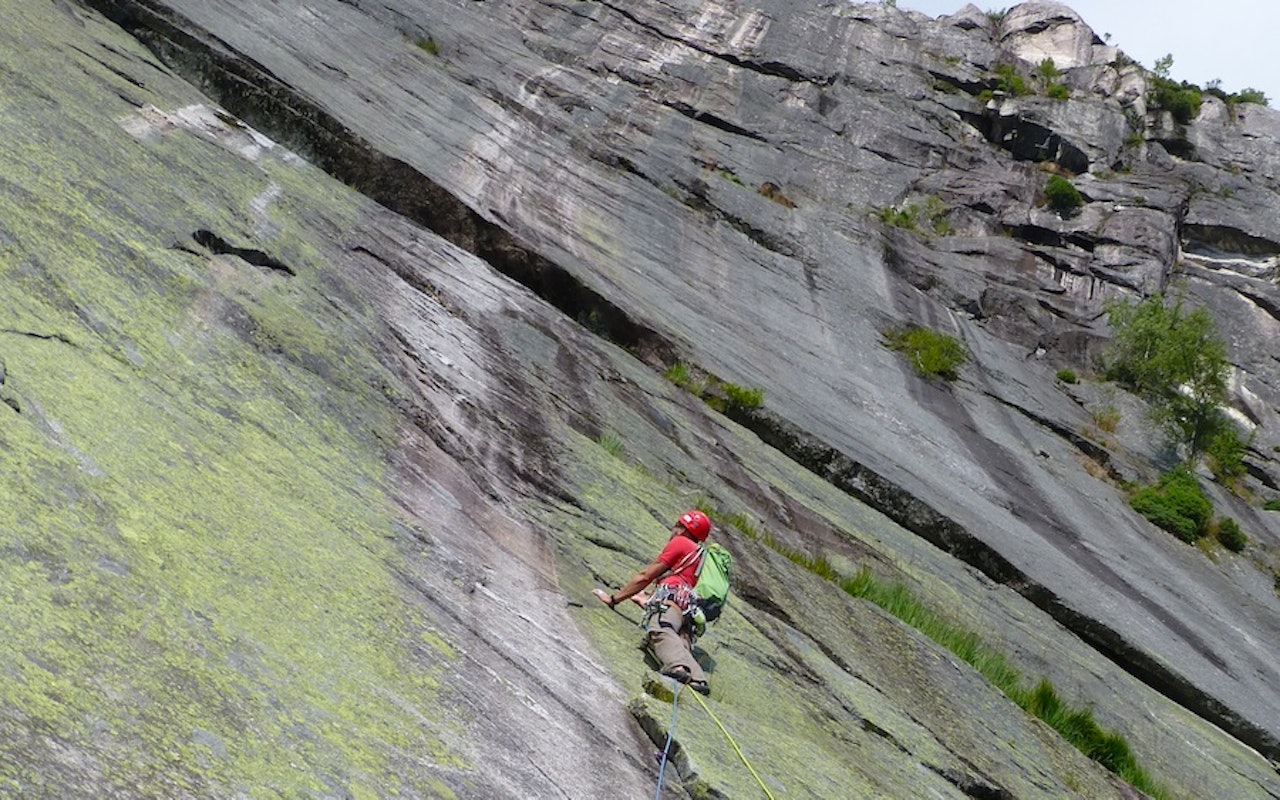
(196, 542)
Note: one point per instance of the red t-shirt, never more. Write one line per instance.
(678, 552)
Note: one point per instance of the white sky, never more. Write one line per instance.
(1232, 40)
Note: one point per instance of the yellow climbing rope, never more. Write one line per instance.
(732, 742)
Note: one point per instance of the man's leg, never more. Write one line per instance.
(669, 647)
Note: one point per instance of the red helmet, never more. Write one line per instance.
(696, 523)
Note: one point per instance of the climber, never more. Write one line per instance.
(666, 624)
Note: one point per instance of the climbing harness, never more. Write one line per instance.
(683, 596)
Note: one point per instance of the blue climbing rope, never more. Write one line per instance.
(671, 732)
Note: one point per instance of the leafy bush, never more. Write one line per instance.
(1047, 70)
(932, 216)
(1174, 360)
(1182, 100)
(1061, 195)
(932, 353)
(900, 216)
(1067, 376)
(1057, 91)
(1250, 96)
(1214, 87)
(1177, 504)
(1225, 450)
(1009, 81)
(1231, 536)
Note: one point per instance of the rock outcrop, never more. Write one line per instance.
(333, 361)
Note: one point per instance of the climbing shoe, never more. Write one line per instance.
(678, 673)
(700, 687)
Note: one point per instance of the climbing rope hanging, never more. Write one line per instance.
(737, 749)
(671, 733)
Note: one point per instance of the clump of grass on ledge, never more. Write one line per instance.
(1041, 700)
(611, 444)
(931, 217)
(742, 396)
(427, 44)
(933, 354)
(679, 374)
(723, 396)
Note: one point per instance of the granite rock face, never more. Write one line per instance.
(311, 490)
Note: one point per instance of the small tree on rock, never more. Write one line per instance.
(1173, 359)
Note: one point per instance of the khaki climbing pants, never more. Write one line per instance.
(669, 647)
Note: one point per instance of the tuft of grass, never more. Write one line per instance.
(731, 176)
(611, 444)
(1067, 376)
(1272, 505)
(743, 397)
(933, 354)
(723, 396)
(900, 216)
(679, 374)
(428, 45)
(1106, 418)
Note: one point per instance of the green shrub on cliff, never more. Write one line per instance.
(1182, 100)
(933, 354)
(1175, 361)
(1061, 195)
(1177, 504)
(1230, 535)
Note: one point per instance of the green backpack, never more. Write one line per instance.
(713, 580)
